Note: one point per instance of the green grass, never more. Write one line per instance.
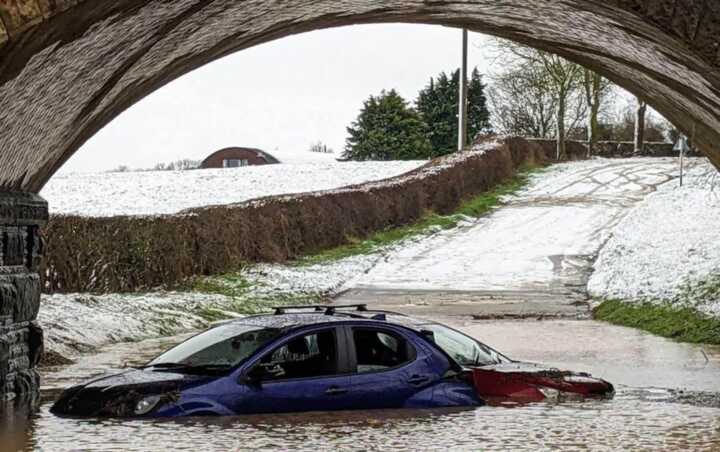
(233, 285)
(682, 324)
(246, 297)
(431, 221)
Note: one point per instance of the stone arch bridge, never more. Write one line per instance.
(68, 67)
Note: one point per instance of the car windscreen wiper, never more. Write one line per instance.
(182, 367)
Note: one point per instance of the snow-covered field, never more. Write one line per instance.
(167, 192)
(668, 242)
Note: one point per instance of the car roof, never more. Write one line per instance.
(303, 316)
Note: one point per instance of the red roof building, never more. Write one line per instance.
(237, 157)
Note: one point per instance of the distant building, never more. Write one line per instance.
(237, 157)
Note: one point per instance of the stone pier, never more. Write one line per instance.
(21, 245)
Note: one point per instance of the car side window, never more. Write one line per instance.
(308, 356)
(378, 350)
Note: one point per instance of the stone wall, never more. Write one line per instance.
(21, 246)
(627, 149)
(612, 149)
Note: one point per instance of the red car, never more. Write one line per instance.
(525, 382)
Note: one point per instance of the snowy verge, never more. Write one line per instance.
(79, 323)
(666, 247)
(76, 323)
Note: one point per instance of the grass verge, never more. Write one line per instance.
(474, 207)
(681, 324)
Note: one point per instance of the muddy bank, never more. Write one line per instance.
(124, 253)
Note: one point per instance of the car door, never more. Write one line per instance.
(389, 370)
(306, 372)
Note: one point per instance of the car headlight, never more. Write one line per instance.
(146, 405)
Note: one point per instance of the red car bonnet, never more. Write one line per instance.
(531, 382)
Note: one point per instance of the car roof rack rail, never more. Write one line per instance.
(329, 310)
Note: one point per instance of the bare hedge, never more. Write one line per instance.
(129, 253)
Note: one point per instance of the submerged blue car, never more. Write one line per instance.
(322, 358)
(300, 359)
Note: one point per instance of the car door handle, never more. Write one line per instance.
(418, 380)
(334, 390)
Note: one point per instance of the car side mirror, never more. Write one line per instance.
(248, 380)
(261, 371)
(253, 378)
(429, 335)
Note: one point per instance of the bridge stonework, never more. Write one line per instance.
(21, 339)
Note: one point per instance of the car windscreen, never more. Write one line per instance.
(465, 350)
(223, 346)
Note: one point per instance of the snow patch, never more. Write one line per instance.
(668, 243)
(76, 323)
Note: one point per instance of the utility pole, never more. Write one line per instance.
(463, 105)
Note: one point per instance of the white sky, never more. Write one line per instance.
(281, 95)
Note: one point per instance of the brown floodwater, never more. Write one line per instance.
(667, 399)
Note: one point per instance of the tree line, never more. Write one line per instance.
(536, 94)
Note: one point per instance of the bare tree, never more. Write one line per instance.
(178, 165)
(597, 92)
(558, 77)
(321, 148)
(522, 103)
(566, 77)
(120, 169)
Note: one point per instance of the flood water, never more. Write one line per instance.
(667, 399)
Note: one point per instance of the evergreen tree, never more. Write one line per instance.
(438, 107)
(437, 104)
(387, 129)
(478, 114)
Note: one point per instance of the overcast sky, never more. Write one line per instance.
(282, 95)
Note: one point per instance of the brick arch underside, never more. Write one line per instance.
(68, 67)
